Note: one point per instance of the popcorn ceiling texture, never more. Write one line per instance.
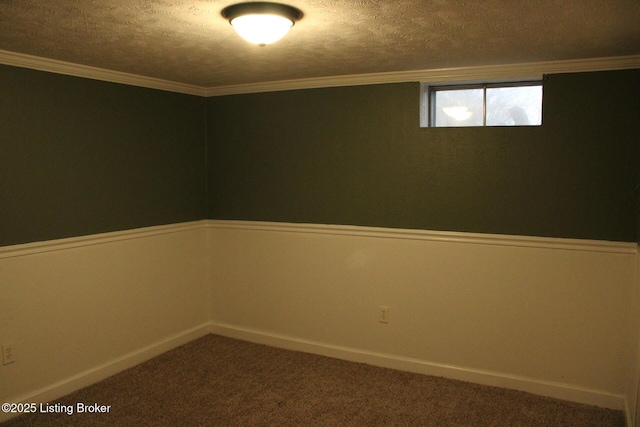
(188, 41)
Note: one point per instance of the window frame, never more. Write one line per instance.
(428, 94)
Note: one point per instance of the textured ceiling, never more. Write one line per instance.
(187, 41)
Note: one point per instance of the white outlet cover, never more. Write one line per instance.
(383, 314)
(8, 355)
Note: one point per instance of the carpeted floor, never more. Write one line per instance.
(217, 381)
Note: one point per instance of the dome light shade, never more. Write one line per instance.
(261, 23)
(261, 29)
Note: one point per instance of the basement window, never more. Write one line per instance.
(483, 104)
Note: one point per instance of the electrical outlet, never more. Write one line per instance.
(383, 314)
(8, 356)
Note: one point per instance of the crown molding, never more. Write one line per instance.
(78, 70)
(441, 75)
(527, 70)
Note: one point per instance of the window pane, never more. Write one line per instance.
(458, 107)
(514, 106)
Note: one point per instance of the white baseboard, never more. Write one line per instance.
(544, 388)
(556, 390)
(105, 370)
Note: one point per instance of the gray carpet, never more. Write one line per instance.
(217, 381)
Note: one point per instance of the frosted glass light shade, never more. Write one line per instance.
(261, 29)
(261, 23)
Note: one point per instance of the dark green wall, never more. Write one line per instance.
(80, 156)
(356, 155)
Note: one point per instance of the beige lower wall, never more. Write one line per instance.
(544, 311)
(633, 381)
(78, 306)
(550, 316)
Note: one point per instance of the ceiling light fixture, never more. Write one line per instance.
(261, 23)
